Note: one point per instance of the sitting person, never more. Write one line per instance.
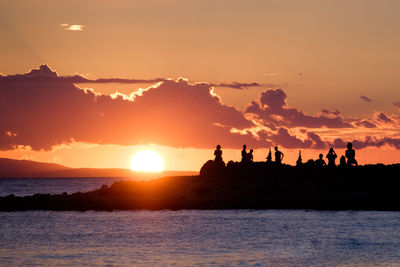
(331, 156)
(342, 161)
(310, 163)
(320, 162)
(351, 155)
(249, 156)
(269, 157)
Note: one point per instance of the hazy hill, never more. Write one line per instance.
(27, 168)
(12, 168)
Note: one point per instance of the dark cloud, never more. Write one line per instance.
(318, 143)
(271, 108)
(237, 85)
(338, 143)
(397, 104)
(381, 116)
(366, 124)
(46, 74)
(366, 99)
(285, 139)
(242, 86)
(282, 137)
(369, 142)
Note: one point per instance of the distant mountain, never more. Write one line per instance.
(27, 168)
(11, 168)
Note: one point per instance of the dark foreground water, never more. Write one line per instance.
(192, 238)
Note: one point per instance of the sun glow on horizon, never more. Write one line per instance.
(147, 161)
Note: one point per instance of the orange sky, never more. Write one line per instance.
(325, 55)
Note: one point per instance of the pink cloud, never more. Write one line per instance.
(40, 109)
(174, 113)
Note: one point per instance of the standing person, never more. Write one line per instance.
(351, 155)
(244, 154)
(331, 156)
(299, 161)
(218, 154)
(278, 156)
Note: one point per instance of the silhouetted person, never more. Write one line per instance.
(320, 162)
(218, 154)
(299, 161)
(351, 155)
(244, 154)
(249, 156)
(278, 156)
(342, 161)
(310, 163)
(269, 157)
(331, 156)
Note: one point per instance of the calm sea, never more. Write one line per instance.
(198, 238)
(188, 237)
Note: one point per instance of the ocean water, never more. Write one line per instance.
(31, 186)
(200, 238)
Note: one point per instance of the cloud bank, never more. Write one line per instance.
(40, 109)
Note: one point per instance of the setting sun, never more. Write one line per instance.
(147, 161)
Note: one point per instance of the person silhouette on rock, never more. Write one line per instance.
(218, 154)
(320, 162)
(299, 161)
(249, 156)
(278, 156)
(269, 157)
(331, 156)
(351, 155)
(244, 154)
(342, 161)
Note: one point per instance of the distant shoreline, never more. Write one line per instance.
(11, 168)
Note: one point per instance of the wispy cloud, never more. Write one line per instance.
(72, 27)
(46, 74)
(366, 98)
(241, 85)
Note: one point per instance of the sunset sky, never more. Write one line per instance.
(90, 83)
